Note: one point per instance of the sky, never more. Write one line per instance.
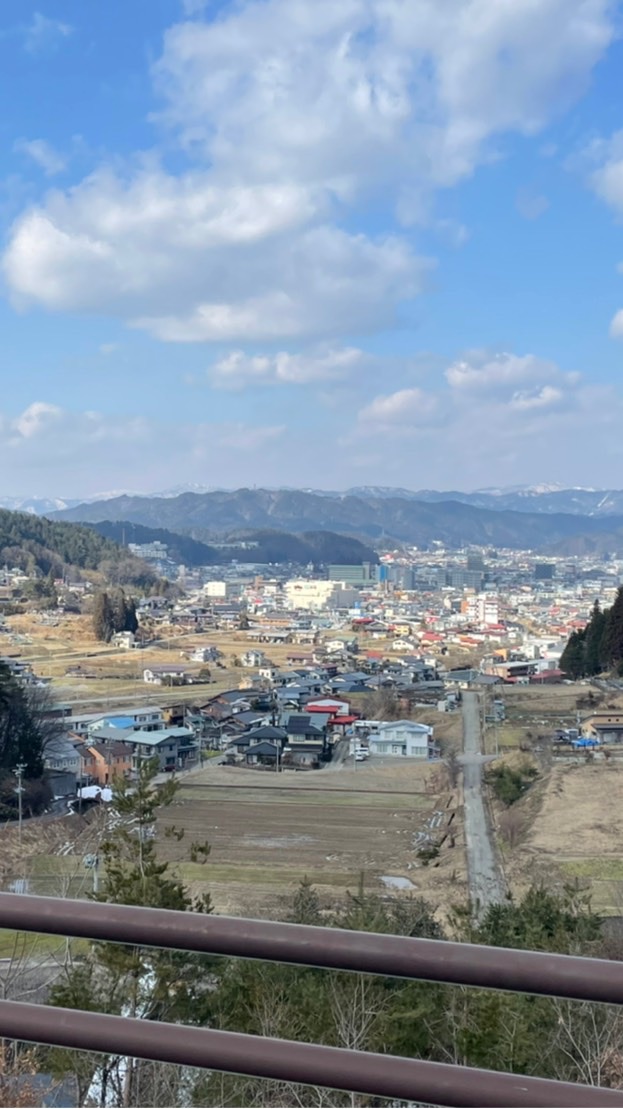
(315, 243)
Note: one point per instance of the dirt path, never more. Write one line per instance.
(486, 885)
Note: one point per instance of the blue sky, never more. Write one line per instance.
(311, 242)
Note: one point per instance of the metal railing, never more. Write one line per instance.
(386, 1076)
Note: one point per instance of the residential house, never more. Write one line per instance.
(605, 726)
(167, 674)
(175, 748)
(402, 738)
(146, 717)
(104, 761)
(125, 640)
(252, 659)
(206, 654)
(263, 754)
(62, 753)
(307, 742)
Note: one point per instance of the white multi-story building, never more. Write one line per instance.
(482, 608)
(316, 594)
(221, 590)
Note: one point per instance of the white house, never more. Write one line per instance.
(125, 640)
(205, 654)
(167, 674)
(252, 658)
(402, 738)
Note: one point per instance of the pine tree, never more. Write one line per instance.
(614, 643)
(139, 982)
(572, 660)
(306, 904)
(594, 644)
(103, 617)
(131, 619)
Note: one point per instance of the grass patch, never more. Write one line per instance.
(600, 869)
(27, 945)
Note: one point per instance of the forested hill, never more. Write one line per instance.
(207, 515)
(265, 545)
(34, 542)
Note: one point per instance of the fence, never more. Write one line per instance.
(386, 1076)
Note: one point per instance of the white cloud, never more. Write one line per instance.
(43, 34)
(405, 408)
(501, 375)
(616, 326)
(44, 155)
(238, 368)
(606, 176)
(365, 90)
(49, 447)
(494, 419)
(315, 106)
(38, 418)
(547, 396)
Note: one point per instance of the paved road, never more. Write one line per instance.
(486, 884)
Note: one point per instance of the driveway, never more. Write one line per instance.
(486, 884)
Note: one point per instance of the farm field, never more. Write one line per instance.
(575, 831)
(269, 831)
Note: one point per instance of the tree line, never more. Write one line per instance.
(527, 1035)
(598, 646)
(38, 545)
(113, 612)
(27, 725)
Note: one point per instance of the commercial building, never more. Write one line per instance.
(222, 590)
(303, 593)
(363, 574)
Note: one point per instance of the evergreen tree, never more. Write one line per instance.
(572, 661)
(614, 642)
(103, 617)
(594, 644)
(134, 981)
(131, 619)
(21, 728)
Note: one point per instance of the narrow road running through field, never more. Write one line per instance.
(486, 885)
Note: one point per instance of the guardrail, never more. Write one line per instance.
(381, 1075)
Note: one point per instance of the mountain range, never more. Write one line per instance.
(372, 515)
(542, 498)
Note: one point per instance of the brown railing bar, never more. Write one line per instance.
(495, 968)
(285, 1060)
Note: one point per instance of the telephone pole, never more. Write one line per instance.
(19, 789)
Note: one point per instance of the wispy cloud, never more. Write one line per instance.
(43, 154)
(43, 34)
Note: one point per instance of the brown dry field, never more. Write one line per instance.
(119, 674)
(268, 831)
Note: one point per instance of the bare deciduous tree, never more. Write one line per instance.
(512, 824)
(453, 767)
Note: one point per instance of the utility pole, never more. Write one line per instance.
(19, 789)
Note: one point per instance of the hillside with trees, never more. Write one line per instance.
(265, 545)
(597, 647)
(54, 548)
(367, 516)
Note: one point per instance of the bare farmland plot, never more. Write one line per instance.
(268, 831)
